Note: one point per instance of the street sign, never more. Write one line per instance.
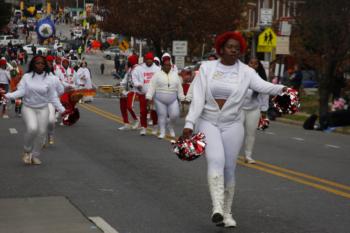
(267, 38)
(179, 48)
(266, 16)
(282, 45)
(124, 45)
(264, 49)
(285, 28)
(180, 62)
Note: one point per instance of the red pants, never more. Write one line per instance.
(143, 111)
(126, 105)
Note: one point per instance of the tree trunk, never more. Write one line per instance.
(325, 86)
(157, 47)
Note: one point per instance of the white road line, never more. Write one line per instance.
(103, 225)
(13, 131)
(332, 146)
(270, 133)
(298, 139)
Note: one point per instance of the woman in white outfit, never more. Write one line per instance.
(218, 95)
(37, 90)
(255, 104)
(165, 89)
(84, 80)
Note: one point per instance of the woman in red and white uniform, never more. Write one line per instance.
(128, 95)
(141, 76)
(165, 90)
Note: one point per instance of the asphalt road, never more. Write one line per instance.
(137, 185)
(300, 185)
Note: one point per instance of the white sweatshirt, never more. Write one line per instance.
(165, 83)
(147, 75)
(255, 100)
(37, 91)
(137, 79)
(204, 105)
(84, 78)
(5, 76)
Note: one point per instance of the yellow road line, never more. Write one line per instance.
(259, 166)
(320, 180)
(296, 179)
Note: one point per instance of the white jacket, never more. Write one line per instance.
(165, 83)
(37, 91)
(204, 105)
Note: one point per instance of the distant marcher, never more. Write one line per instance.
(102, 68)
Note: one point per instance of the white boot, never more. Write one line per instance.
(216, 188)
(228, 219)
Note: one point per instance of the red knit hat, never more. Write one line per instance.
(149, 56)
(3, 62)
(222, 38)
(50, 58)
(133, 59)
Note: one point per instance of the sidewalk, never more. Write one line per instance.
(43, 215)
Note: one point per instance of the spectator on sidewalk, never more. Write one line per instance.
(102, 68)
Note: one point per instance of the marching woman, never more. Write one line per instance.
(59, 91)
(215, 110)
(165, 89)
(37, 90)
(255, 104)
(16, 75)
(128, 96)
(84, 80)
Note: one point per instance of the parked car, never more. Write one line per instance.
(29, 51)
(111, 52)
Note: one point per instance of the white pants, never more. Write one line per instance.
(52, 119)
(166, 106)
(251, 122)
(36, 121)
(222, 149)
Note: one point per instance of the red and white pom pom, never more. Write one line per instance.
(3, 100)
(190, 149)
(263, 123)
(287, 102)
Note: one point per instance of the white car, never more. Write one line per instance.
(29, 51)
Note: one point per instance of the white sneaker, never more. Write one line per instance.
(36, 161)
(155, 130)
(125, 127)
(51, 140)
(5, 116)
(161, 136)
(135, 124)
(143, 131)
(27, 158)
(172, 132)
(249, 160)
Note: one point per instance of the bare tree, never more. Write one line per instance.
(5, 13)
(324, 29)
(163, 21)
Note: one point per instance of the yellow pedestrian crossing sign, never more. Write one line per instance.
(267, 38)
(124, 45)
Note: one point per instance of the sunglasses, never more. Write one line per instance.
(39, 62)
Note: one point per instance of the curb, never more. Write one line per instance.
(340, 130)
